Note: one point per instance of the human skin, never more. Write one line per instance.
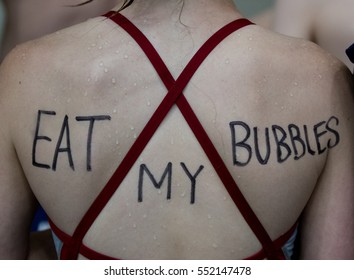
(256, 78)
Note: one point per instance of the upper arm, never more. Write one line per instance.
(328, 222)
(17, 203)
(295, 18)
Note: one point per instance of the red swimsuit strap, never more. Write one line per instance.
(174, 96)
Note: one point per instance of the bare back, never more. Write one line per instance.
(74, 110)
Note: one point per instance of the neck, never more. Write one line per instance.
(193, 9)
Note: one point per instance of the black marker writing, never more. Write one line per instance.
(281, 144)
(333, 131)
(63, 144)
(309, 149)
(38, 137)
(295, 136)
(157, 185)
(257, 149)
(92, 120)
(292, 140)
(64, 129)
(318, 136)
(167, 173)
(193, 179)
(241, 144)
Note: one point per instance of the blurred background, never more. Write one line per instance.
(252, 8)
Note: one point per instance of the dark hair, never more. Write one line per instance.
(126, 4)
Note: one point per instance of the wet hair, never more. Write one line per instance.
(126, 4)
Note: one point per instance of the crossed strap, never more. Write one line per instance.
(175, 88)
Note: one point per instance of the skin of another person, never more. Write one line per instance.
(31, 19)
(279, 110)
(329, 23)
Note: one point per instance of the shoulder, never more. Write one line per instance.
(295, 71)
(31, 62)
(295, 57)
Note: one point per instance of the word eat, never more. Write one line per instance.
(63, 143)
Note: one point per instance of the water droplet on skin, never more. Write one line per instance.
(115, 112)
(296, 84)
(130, 214)
(159, 191)
(148, 103)
(93, 45)
(101, 64)
(132, 128)
(227, 61)
(100, 47)
(106, 70)
(126, 56)
(183, 194)
(135, 136)
(114, 81)
(117, 142)
(155, 237)
(250, 38)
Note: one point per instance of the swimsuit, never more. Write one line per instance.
(72, 246)
(350, 53)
